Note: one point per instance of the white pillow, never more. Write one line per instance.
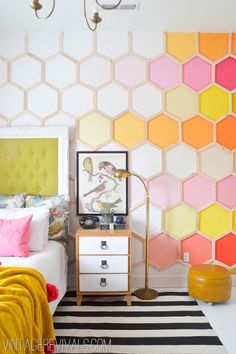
(38, 233)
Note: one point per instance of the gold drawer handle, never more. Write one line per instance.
(104, 264)
(103, 282)
(104, 245)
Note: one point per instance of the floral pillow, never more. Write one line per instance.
(58, 215)
(12, 201)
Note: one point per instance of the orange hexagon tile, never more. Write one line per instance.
(226, 132)
(163, 251)
(181, 45)
(163, 131)
(214, 221)
(214, 103)
(181, 102)
(198, 247)
(197, 132)
(128, 130)
(180, 220)
(225, 249)
(213, 45)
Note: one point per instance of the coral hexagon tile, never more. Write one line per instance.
(226, 132)
(12, 44)
(164, 72)
(181, 45)
(213, 45)
(42, 100)
(214, 221)
(10, 94)
(180, 220)
(77, 44)
(225, 73)
(44, 44)
(214, 103)
(95, 71)
(26, 120)
(197, 132)
(130, 71)
(148, 44)
(77, 100)
(181, 161)
(67, 75)
(104, 40)
(181, 102)
(163, 251)
(147, 100)
(138, 220)
(215, 162)
(164, 191)
(128, 130)
(112, 100)
(3, 72)
(226, 191)
(26, 71)
(197, 73)
(163, 131)
(198, 191)
(225, 249)
(198, 247)
(149, 166)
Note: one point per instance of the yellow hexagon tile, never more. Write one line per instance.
(128, 130)
(181, 45)
(181, 102)
(93, 130)
(234, 220)
(214, 221)
(180, 220)
(214, 103)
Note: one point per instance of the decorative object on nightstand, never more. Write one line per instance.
(145, 293)
(103, 263)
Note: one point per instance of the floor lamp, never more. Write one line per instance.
(145, 293)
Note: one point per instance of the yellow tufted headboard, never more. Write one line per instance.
(34, 161)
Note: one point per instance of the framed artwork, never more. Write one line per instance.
(97, 188)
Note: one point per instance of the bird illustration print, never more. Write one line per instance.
(98, 189)
(108, 167)
(108, 205)
(88, 167)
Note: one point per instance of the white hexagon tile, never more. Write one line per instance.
(138, 220)
(77, 45)
(26, 71)
(67, 75)
(77, 100)
(3, 72)
(43, 101)
(95, 71)
(147, 100)
(216, 162)
(44, 44)
(181, 161)
(148, 44)
(26, 120)
(8, 95)
(12, 44)
(150, 166)
(112, 100)
(104, 40)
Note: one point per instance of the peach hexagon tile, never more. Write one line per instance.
(197, 132)
(198, 191)
(163, 251)
(146, 100)
(44, 44)
(180, 220)
(67, 75)
(42, 100)
(164, 72)
(214, 103)
(112, 100)
(215, 162)
(226, 132)
(214, 221)
(226, 191)
(104, 40)
(149, 166)
(138, 220)
(197, 73)
(128, 130)
(137, 250)
(148, 44)
(77, 100)
(3, 72)
(163, 131)
(198, 247)
(181, 45)
(225, 249)
(95, 71)
(26, 120)
(77, 44)
(130, 71)
(8, 95)
(137, 192)
(181, 102)
(164, 191)
(62, 120)
(93, 130)
(213, 45)
(12, 44)
(26, 71)
(181, 161)
(225, 73)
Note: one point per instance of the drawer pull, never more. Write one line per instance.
(103, 282)
(104, 264)
(104, 245)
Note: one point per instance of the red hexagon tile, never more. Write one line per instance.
(226, 132)
(225, 73)
(164, 191)
(164, 72)
(198, 191)
(163, 251)
(130, 71)
(225, 249)
(197, 73)
(198, 247)
(226, 191)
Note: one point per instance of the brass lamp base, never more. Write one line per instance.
(146, 293)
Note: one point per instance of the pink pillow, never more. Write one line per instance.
(14, 235)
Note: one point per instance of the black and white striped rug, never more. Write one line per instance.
(172, 323)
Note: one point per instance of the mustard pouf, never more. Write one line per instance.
(210, 283)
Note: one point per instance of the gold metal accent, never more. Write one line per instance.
(145, 293)
(96, 18)
(35, 5)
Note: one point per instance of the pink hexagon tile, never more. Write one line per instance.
(164, 72)
(149, 166)
(130, 71)
(225, 73)
(164, 191)
(163, 251)
(198, 247)
(147, 100)
(138, 220)
(198, 191)
(226, 191)
(197, 73)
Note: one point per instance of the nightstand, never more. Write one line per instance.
(103, 263)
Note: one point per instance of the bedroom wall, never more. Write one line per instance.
(167, 98)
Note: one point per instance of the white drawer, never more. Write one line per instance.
(103, 282)
(103, 264)
(103, 245)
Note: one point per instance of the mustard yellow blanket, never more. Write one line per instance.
(25, 319)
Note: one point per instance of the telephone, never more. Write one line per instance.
(89, 221)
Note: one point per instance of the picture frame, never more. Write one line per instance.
(97, 188)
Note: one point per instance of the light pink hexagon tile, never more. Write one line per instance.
(164, 191)
(130, 71)
(164, 72)
(198, 191)
(226, 191)
(197, 73)
(163, 251)
(198, 247)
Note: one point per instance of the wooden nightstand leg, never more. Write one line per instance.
(79, 299)
(128, 300)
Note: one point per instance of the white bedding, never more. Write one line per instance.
(51, 262)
